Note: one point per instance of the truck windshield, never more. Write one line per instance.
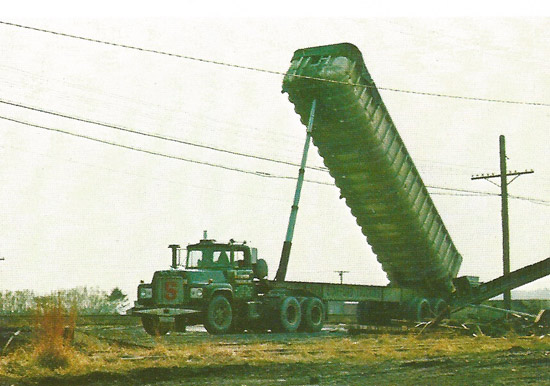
(207, 258)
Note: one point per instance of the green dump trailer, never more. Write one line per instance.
(371, 166)
(224, 285)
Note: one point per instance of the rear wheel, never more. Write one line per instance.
(290, 314)
(440, 308)
(312, 315)
(218, 315)
(420, 310)
(153, 326)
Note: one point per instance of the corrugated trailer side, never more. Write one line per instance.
(363, 151)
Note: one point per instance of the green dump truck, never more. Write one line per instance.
(224, 286)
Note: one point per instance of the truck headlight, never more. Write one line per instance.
(196, 293)
(145, 293)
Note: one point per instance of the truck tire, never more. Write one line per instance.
(218, 316)
(290, 315)
(153, 326)
(313, 315)
(180, 324)
(439, 306)
(420, 310)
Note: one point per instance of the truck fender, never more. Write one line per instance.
(211, 291)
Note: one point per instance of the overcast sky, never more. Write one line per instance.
(78, 212)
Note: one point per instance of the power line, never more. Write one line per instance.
(273, 72)
(481, 193)
(468, 192)
(530, 199)
(256, 173)
(152, 178)
(189, 143)
(157, 136)
(456, 194)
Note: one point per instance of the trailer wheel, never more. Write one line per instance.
(290, 314)
(440, 307)
(313, 315)
(218, 315)
(153, 325)
(420, 310)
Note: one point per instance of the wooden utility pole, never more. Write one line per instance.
(505, 221)
(504, 210)
(341, 274)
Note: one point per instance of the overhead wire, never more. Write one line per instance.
(275, 136)
(263, 174)
(152, 135)
(256, 173)
(455, 194)
(153, 178)
(530, 199)
(158, 136)
(463, 190)
(273, 72)
(466, 192)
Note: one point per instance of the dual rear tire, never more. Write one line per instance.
(292, 316)
(313, 315)
(423, 310)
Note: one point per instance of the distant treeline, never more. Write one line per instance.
(85, 301)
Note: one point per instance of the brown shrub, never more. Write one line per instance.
(54, 331)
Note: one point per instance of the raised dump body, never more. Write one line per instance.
(363, 151)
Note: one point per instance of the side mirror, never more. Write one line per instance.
(253, 255)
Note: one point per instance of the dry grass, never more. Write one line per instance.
(89, 354)
(54, 331)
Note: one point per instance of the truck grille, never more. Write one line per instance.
(169, 290)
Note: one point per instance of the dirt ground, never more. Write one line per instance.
(125, 355)
(502, 368)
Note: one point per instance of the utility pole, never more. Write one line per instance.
(504, 210)
(341, 274)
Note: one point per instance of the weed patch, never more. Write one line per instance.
(54, 331)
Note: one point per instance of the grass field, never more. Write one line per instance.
(121, 353)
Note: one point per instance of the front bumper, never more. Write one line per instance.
(164, 312)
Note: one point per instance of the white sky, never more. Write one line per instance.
(76, 212)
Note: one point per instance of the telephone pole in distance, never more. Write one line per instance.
(341, 274)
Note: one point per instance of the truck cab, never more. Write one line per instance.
(217, 282)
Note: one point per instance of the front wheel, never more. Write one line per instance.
(218, 315)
